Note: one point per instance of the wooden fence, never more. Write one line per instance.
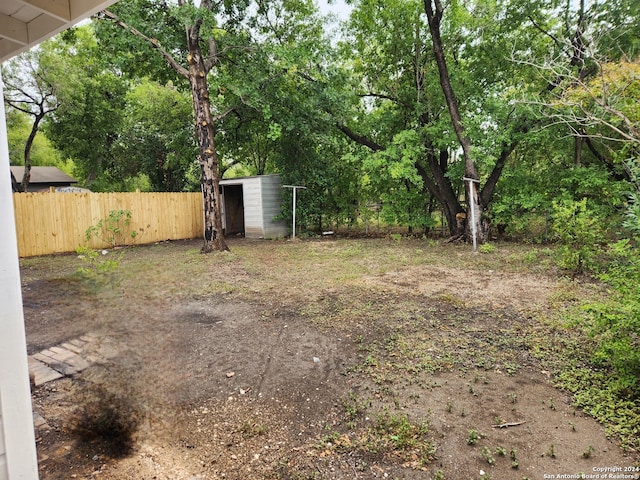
(56, 222)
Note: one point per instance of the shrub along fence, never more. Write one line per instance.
(53, 222)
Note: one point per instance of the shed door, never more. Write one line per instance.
(234, 209)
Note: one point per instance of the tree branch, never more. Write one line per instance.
(434, 19)
(544, 32)
(151, 41)
(367, 142)
(227, 112)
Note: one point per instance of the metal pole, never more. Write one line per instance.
(294, 188)
(293, 234)
(473, 211)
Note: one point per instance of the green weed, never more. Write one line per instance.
(115, 229)
(588, 452)
(487, 455)
(487, 248)
(473, 437)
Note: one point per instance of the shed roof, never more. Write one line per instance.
(48, 175)
(25, 23)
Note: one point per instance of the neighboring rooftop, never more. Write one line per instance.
(44, 177)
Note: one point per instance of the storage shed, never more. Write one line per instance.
(250, 206)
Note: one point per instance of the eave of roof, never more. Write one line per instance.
(49, 175)
(25, 23)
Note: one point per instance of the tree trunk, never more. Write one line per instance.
(434, 17)
(26, 176)
(207, 157)
(205, 131)
(15, 186)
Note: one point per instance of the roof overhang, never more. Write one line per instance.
(25, 23)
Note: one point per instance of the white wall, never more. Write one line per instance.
(17, 440)
(252, 198)
(271, 207)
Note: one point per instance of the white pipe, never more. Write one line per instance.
(473, 211)
(295, 188)
(293, 234)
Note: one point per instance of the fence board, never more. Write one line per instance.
(49, 222)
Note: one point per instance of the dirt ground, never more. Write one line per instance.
(313, 359)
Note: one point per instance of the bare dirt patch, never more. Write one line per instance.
(312, 359)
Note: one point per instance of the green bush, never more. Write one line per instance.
(579, 232)
(615, 323)
(114, 229)
(632, 217)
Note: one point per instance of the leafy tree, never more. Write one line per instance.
(85, 126)
(42, 152)
(207, 27)
(461, 95)
(237, 61)
(573, 150)
(31, 87)
(157, 137)
(397, 111)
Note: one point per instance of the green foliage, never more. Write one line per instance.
(605, 396)
(604, 376)
(388, 433)
(392, 179)
(473, 437)
(487, 248)
(96, 266)
(42, 151)
(399, 432)
(632, 216)
(157, 138)
(487, 455)
(579, 231)
(114, 229)
(615, 322)
(92, 98)
(354, 407)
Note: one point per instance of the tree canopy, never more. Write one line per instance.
(531, 101)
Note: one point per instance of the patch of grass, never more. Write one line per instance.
(252, 429)
(487, 248)
(400, 433)
(601, 394)
(451, 299)
(438, 475)
(389, 434)
(355, 407)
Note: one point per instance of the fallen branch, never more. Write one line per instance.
(456, 238)
(510, 424)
